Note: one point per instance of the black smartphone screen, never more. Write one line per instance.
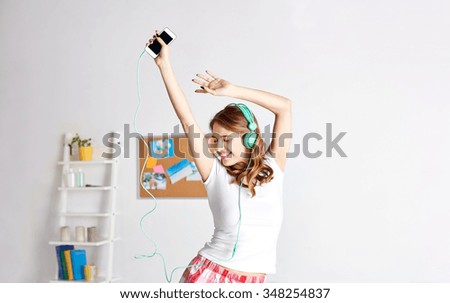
(156, 47)
(165, 37)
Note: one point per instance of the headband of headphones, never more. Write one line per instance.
(248, 115)
(249, 139)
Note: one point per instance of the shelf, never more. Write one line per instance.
(87, 214)
(93, 188)
(101, 213)
(98, 243)
(87, 162)
(97, 280)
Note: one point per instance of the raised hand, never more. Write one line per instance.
(212, 84)
(163, 56)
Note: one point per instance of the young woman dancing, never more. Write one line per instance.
(243, 178)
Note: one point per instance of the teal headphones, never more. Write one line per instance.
(249, 139)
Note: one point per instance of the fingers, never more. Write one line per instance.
(205, 83)
(155, 37)
(212, 75)
(208, 79)
(205, 90)
(201, 83)
(161, 41)
(150, 41)
(200, 91)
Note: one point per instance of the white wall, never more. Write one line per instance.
(377, 70)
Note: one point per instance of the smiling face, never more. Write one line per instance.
(227, 144)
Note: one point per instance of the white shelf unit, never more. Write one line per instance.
(109, 215)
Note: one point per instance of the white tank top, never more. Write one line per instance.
(260, 221)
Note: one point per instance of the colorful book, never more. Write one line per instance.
(59, 256)
(68, 264)
(78, 259)
(179, 171)
(64, 266)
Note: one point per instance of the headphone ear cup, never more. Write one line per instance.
(249, 140)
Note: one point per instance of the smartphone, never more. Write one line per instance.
(155, 48)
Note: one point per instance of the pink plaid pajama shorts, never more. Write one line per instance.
(210, 272)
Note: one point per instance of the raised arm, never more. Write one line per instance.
(202, 157)
(280, 106)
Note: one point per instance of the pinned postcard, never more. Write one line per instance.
(158, 169)
(195, 176)
(151, 162)
(162, 148)
(179, 171)
(154, 181)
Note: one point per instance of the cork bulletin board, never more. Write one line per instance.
(170, 171)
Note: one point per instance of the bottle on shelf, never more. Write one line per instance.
(70, 178)
(80, 178)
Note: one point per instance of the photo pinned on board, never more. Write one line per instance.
(155, 181)
(195, 176)
(179, 171)
(162, 148)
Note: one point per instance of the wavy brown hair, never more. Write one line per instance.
(258, 172)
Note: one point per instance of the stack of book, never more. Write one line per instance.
(71, 262)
